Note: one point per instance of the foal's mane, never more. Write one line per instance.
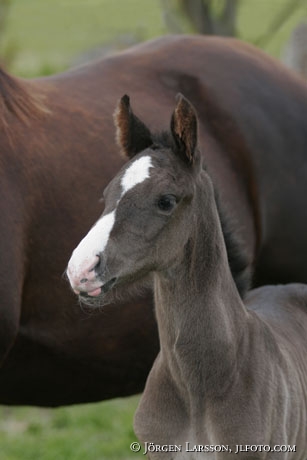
(236, 252)
(17, 99)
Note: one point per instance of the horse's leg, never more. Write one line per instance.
(11, 271)
(10, 307)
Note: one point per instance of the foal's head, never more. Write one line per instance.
(149, 206)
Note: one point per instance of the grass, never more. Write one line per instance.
(101, 431)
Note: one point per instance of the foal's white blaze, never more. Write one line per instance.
(136, 173)
(84, 258)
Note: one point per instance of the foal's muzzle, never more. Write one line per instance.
(103, 289)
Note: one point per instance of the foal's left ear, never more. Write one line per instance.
(184, 128)
(131, 134)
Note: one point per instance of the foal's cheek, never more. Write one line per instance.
(155, 230)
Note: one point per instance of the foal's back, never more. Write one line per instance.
(284, 307)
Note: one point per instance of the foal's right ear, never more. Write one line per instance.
(184, 129)
(132, 135)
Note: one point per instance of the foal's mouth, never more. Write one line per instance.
(103, 289)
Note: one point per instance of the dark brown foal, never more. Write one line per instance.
(229, 375)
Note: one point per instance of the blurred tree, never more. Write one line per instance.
(219, 17)
(295, 52)
(284, 14)
(209, 17)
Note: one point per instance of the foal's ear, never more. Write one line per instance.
(132, 135)
(184, 129)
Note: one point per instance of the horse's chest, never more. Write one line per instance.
(170, 420)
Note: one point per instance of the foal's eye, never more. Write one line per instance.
(166, 202)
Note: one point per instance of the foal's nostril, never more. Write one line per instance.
(99, 261)
(98, 267)
(84, 280)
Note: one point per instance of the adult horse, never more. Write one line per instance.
(57, 154)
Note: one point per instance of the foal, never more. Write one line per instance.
(229, 375)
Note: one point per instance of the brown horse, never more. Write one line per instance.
(57, 154)
(229, 373)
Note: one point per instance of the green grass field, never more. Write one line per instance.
(101, 431)
(46, 36)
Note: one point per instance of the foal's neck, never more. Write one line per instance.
(201, 317)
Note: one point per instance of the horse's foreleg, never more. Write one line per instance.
(10, 302)
(11, 276)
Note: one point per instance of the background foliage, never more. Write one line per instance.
(44, 36)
